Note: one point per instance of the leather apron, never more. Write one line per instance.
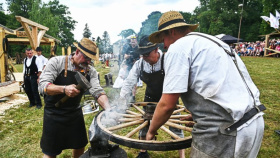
(63, 127)
(154, 82)
(209, 136)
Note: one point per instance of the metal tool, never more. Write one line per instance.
(83, 84)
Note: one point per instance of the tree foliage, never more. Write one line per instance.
(105, 44)
(150, 25)
(126, 33)
(87, 32)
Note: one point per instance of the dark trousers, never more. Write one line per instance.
(31, 89)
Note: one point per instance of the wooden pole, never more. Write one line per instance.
(63, 51)
(69, 50)
(2, 56)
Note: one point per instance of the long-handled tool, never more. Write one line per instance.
(83, 84)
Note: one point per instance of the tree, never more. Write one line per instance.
(150, 25)
(126, 33)
(87, 32)
(3, 16)
(107, 47)
(269, 6)
(217, 16)
(65, 22)
(1, 7)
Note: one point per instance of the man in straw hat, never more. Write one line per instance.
(215, 87)
(150, 70)
(63, 126)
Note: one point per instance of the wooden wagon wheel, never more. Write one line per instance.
(127, 124)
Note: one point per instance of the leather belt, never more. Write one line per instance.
(247, 116)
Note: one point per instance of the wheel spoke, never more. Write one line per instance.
(130, 116)
(180, 106)
(178, 126)
(129, 119)
(177, 116)
(178, 121)
(140, 110)
(173, 135)
(125, 125)
(137, 129)
(132, 113)
(177, 111)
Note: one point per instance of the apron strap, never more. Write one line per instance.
(66, 65)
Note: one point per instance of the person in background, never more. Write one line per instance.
(151, 71)
(32, 69)
(41, 57)
(130, 57)
(215, 87)
(64, 126)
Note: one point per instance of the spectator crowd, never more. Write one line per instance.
(256, 48)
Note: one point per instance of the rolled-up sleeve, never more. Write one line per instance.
(50, 73)
(131, 80)
(95, 89)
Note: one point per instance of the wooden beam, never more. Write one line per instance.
(31, 23)
(40, 36)
(26, 41)
(35, 38)
(29, 34)
(276, 51)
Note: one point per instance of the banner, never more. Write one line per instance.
(273, 21)
(265, 18)
(277, 15)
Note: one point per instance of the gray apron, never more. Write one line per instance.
(208, 133)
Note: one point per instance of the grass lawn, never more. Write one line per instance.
(21, 128)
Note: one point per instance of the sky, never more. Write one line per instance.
(114, 16)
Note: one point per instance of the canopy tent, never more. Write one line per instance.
(228, 38)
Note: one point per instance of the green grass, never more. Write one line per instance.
(21, 128)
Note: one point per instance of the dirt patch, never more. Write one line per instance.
(13, 101)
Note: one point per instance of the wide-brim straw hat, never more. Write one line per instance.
(145, 46)
(88, 47)
(168, 21)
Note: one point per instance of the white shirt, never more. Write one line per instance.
(134, 73)
(196, 63)
(43, 59)
(38, 62)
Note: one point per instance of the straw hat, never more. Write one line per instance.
(145, 46)
(88, 47)
(168, 21)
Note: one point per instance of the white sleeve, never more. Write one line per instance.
(39, 64)
(176, 66)
(45, 61)
(131, 80)
(23, 71)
